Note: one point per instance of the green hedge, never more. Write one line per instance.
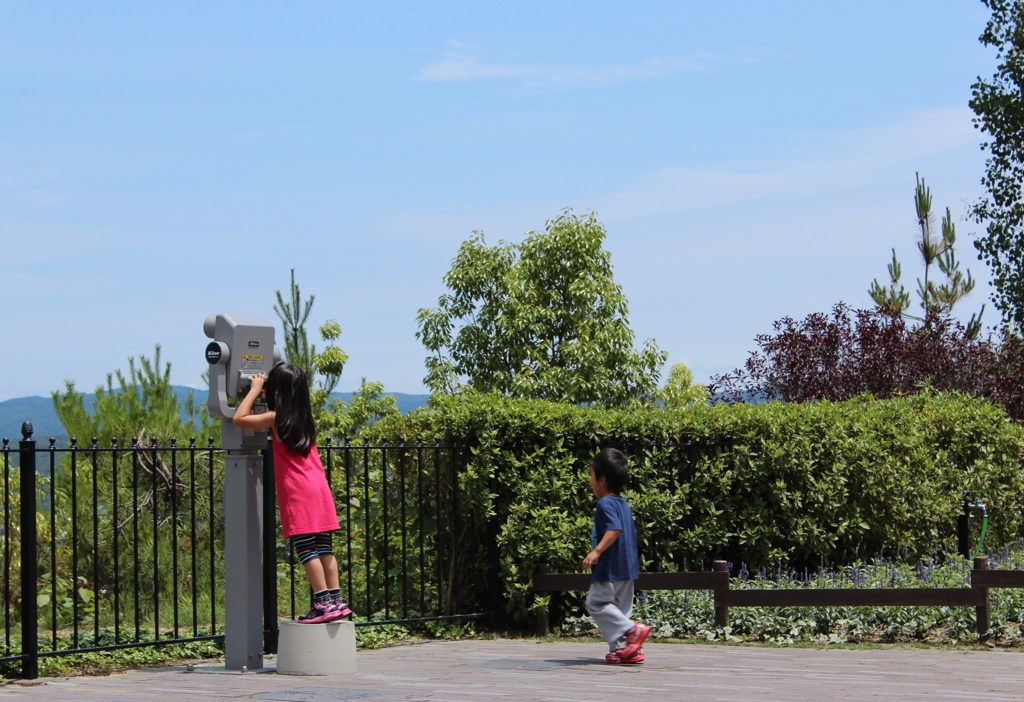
(774, 485)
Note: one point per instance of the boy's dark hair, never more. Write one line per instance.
(611, 465)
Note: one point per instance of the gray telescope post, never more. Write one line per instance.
(243, 565)
(242, 346)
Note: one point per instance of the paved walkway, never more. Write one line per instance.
(563, 671)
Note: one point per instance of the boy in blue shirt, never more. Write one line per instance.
(614, 561)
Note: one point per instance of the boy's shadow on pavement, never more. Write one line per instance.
(547, 664)
(566, 662)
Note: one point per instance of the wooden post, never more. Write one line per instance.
(721, 611)
(541, 623)
(982, 611)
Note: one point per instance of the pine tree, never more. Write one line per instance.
(937, 299)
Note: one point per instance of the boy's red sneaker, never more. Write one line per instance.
(616, 657)
(635, 638)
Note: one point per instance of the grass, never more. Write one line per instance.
(109, 662)
(115, 661)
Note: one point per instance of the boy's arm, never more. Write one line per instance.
(603, 545)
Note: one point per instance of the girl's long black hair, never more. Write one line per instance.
(287, 392)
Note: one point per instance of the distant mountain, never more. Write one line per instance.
(39, 411)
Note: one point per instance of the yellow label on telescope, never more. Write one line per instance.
(252, 362)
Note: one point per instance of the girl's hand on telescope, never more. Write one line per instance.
(257, 381)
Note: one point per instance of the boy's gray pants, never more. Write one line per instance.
(611, 606)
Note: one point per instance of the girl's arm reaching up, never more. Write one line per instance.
(244, 418)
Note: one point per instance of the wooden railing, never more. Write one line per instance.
(717, 580)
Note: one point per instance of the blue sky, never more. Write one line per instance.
(750, 160)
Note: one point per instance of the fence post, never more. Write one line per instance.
(271, 628)
(982, 611)
(721, 611)
(29, 556)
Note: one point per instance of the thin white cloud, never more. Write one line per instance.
(24, 179)
(271, 133)
(44, 196)
(463, 67)
(456, 68)
(833, 162)
(37, 187)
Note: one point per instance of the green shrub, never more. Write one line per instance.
(772, 486)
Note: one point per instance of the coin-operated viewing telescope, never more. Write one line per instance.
(242, 346)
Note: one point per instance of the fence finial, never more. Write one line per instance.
(26, 431)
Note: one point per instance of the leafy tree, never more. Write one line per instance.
(680, 391)
(333, 417)
(866, 351)
(999, 108)
(936, 299)
(323, 369)
(368, 404)
(541, 319)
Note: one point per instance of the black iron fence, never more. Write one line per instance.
(400, 548)
(119, 546)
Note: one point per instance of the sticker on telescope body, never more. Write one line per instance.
(252, 362)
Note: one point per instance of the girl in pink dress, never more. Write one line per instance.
(308, 514)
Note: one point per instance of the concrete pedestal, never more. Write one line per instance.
(316, 649)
